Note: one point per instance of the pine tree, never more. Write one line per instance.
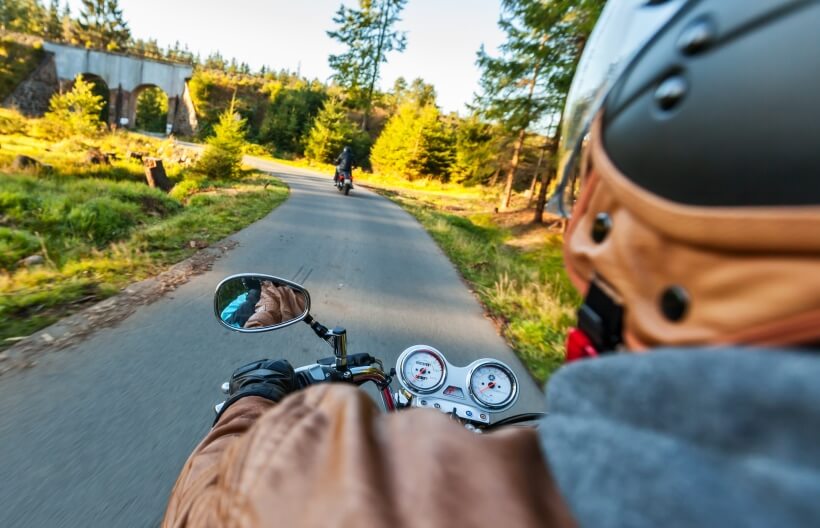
(101, 25)
(289, 115)
(369, 36)
(478, 150)
(54, 24)
(76, 112)
(68, 25)
(223, 154)
(415, 143)
(528, 82)
(331, 131)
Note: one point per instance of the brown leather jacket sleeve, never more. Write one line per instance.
(276, 304)
(326, 456)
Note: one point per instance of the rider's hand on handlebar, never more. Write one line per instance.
(270, 379)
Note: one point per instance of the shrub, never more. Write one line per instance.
(12, 122)
(103, 219)
(185, 188)
(223, 155)
(74, 113)
(15, 244)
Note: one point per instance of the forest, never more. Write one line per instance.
(508, 139)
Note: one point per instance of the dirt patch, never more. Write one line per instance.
(109, 312)
(527, 235)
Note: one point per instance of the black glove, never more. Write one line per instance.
(268, 379)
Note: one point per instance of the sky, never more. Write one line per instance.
(442, 36)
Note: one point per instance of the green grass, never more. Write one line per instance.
(80, 269)
(526, 291)
(98, 228)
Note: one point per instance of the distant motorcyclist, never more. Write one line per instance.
(344, 164)
(690, 171)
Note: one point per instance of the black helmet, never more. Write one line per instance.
(691, 165)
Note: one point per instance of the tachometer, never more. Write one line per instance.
(423, 371)
(493, 385)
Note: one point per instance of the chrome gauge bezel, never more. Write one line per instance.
(430, 350)
(510, 401)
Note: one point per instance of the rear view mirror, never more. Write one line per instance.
(251, 302)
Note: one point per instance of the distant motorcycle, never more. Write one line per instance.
(343, 180)
(473, 394)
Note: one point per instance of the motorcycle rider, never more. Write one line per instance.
(690, 144)
(344, 164)
(277, 304)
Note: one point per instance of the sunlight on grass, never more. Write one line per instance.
(528, 293)
(96, 228)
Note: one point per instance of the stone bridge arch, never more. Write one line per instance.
(125, 77)
(131, 111)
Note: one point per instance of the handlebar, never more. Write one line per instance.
(360, 369)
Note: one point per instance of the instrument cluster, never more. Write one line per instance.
(474, 392)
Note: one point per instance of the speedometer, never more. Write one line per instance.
(423, 371)
(493, 385)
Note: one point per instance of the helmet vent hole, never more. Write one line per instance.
(674, 303)
(698, 36)
(670, 92)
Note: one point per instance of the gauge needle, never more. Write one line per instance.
(490, 386)
(422, 371)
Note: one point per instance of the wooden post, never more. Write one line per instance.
(155, 174)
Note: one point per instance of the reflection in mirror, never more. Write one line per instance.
(259, 302)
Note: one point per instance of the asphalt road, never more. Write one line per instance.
(96, 434)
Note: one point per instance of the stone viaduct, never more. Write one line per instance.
(125, 76)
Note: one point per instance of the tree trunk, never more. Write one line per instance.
(519, 144)
(535, 174)
(547, 175)
(505, 197)
(376, 60)
(494, 179)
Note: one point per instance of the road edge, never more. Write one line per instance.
(109, 312)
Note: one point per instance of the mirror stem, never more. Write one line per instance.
(339, 341)
(336, 338)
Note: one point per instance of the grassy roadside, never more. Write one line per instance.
(517, 274)
(74, 233)
(33, 298)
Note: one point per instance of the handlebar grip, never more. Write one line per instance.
(315, 373)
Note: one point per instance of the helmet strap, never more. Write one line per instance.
(600, 325)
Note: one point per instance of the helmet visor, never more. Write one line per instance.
(623, 28)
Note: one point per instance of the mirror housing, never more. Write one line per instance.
(255, 302)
